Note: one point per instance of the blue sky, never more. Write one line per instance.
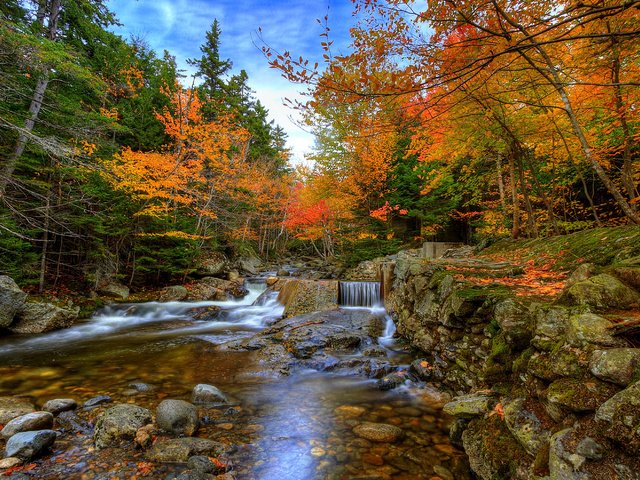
(179, 26)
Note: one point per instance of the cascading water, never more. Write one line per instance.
(153, 320)
(360, 294)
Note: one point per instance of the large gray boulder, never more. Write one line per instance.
(211, 264)
(114, 289)
(43, 317)
(307, 296)
(119, 424)
(29, 445)
(617, 365)
(177, 417)
(26, 423)
(11, 300)
(621, 414)
(249, 265)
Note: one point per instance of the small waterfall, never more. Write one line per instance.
(359, 294)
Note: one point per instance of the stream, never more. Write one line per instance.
(296, 427)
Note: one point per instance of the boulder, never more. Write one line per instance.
(580, 274)
(378, 432)
(550, 326)
(114, 289)
(208, 394)
(250, 265)
(564, 465)
(617, 365)
(177, 417)
(602, 291)
(306, 296)
(174, 293)
(493, 452)
(211, 264)
(212, 288)
(621, 414)
(515, 322)
(529, 423)
(43, 317)
(12, 407)
(59, 405)
(591, 329)
(11, 300)
(181, 449)
(29, 445)
(580, 395)
(119, 424)
(469, 406)
(629, 275)
(26, 423)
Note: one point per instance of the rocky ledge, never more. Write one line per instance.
(547, 386)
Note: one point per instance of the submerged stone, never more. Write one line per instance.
(119, 424)
(177, 417)
(28, 422)
(378, 432)
(29, 445)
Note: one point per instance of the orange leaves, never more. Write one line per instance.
(384, 212)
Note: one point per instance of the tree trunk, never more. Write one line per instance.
(36, 100)
(515, 229)
(503, 201)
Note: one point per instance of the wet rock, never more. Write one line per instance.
(591, 329)
(12, 407)
(178, 417)
(283, 272)
(590, 449)
(350, 410)
(378, 432)
(29, 445)
(202, 464)
(119, 424)
(492, 450)
(374, 351)
(617, 365)
(580, 395)
(60, 405)
(144, 436)
(391, 381)
(174, 293)
(141, 387)
(421, 368)
(71, 422)
(621, 414)
(601, 291)
(95, 401)
(528, 423)
(28, 422)
(208, 394)
(181, 449)
(43, 317)
(469, 406)
(271, 281)
(11, 300)
(249, 265)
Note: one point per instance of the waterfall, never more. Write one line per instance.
(359, 294)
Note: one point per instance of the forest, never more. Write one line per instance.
(457, 121)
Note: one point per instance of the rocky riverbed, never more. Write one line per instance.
(245, 388)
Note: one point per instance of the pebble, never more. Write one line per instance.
(318, 452)
(378, 432)
(349, 410)
(60, 405)
(99, 400)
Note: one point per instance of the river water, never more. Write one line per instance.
(296, 427)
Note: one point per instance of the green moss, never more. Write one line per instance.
(500, 350)
(521, 363)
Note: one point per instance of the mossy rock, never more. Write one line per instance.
(617, 365)
(493, 452)
(529, 423)
(621, 414)
(592, 329)
(602, 291)
(580, 395)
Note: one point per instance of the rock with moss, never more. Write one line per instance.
(306, 296)
(629, 275)
(515, 321)
(617, 365)
(550, 326)
(583, 272)
(621, 415)
(119, 424)
(181, 449)
(493, 452)
(589, 328)
(564, 465)
(469, 406)
(580, 395)
(602, 291)
(566, 361)
(529, 423)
